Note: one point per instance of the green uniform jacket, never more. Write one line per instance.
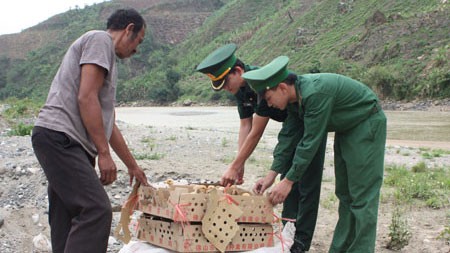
(247, 103)
(330, 103)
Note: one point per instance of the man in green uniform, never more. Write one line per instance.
(330, 103)
(225, 72)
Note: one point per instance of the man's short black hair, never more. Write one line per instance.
(290, 79)
(121, 18)
(238, 63)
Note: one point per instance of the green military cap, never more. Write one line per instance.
(268, 76)
(218, 64)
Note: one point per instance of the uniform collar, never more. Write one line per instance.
(298, 91)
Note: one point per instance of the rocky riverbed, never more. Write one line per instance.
(194, 153)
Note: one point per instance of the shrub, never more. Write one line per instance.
(419, 167)
(445, 234)
(21, 129)
(20, 108)
(381, 80)
(398, 231)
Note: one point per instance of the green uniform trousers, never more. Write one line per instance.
(302, 203)
(359, 163)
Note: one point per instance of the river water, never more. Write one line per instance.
(411, 128)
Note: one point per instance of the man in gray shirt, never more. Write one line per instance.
(77, 125)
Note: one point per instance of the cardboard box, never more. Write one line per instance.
(188, 237)
(184, 203)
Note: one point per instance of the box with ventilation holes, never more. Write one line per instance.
(189, 237)
(189, 202)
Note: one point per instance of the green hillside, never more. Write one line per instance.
(399, 48)
(402, 55)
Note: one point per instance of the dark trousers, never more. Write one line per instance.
(79, 209)
(302, 203)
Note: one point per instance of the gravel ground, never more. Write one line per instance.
(197, 147)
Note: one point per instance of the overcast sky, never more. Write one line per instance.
(17, 15)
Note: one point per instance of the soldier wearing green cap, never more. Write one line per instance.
(225, 72)
(329, 103)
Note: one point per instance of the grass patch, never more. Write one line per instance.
(20, 108)
(329, 202)
(224, 142)
(445, 233)
(149, 141)
(16, 112)
(172, 138)
(152, 156)
(21, 129)
(227, 159)
(429, 154)
(422, 149)
(430, 186)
